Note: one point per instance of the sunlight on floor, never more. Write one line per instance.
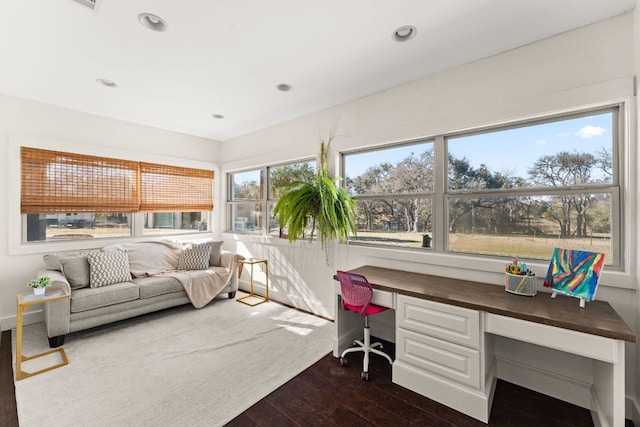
(300, 318)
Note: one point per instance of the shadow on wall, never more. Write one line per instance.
(294, 272)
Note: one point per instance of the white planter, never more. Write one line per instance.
(39, 291)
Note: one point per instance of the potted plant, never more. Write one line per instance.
(317, 203)
(40, 284)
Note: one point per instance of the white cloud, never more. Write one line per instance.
(541, 142)
(590, 131)
(563, 134)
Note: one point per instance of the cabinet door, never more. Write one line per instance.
(450, 323)
(444, 359)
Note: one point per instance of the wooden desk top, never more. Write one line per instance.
(597, 318)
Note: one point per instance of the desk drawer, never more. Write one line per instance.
(583, 344)
(445, 359)
(448, 322)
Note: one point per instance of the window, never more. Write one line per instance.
(245, 202)
(393, 191)
(68, 196)
(517, 190)
(164, 223)
(524, 190)
(248, 196)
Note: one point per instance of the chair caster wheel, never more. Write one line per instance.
(343, 361)
(364, 376)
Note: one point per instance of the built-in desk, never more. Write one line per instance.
(445, 328)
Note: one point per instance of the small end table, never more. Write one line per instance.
(26, 300)
(252, 262)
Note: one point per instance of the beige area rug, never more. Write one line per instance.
(181, 367)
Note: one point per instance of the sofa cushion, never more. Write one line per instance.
(76, 270)
(216, 254)
(51, 260)
(195, 256)
(90, 298)
(157, 285)
(107, 268)
(150, 258)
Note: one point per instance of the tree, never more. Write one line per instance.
(413, 175)
(284, 175)
(369, 182)
(565, 169)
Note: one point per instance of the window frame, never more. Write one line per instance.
(266, 198)
(441, 193)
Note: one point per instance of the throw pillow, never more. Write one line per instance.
(76, 270)
(195, 257)
(51, 260)
(107, 268)
(216, 254)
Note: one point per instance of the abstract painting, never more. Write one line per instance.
(574, 272)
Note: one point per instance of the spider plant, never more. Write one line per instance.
(317, 203)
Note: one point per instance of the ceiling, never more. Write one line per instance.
(226, 57)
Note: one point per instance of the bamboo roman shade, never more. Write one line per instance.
(57, 182)
(169, 188)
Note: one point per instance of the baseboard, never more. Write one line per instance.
(345, 340)
(474, 403)
(29, 318)
(546, 382)
(633, 410)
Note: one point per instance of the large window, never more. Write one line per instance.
(393, 190)
(250, 193)
(517, 190)
(67, 196)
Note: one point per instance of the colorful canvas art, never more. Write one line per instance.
(576, 273)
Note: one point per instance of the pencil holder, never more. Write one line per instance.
(520, 285)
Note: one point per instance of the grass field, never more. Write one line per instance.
(509, 246)
(500, 245)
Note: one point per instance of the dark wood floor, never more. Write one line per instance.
(8, 411)
(327, 394)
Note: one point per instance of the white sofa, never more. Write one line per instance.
(122, 281)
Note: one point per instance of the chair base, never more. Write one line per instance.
(366, 347)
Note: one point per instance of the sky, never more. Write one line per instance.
(512, 150)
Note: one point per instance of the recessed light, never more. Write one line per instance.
(283, 87)
(404, 33)
(217, 116)
(105, 82)
(152, 22)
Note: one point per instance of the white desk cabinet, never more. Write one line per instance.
(445, 331)
(439, 354)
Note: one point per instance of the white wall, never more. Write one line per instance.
(590, 66)
(634, 410)
(66, 130)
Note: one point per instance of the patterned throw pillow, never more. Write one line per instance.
(195, 257)
(107, 268)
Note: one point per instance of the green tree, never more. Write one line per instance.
(282, 176)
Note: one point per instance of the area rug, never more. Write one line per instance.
(179, 367)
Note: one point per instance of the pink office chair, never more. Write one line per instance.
(356, 295)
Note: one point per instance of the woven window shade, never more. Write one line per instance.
(170, 188)
(56, 182)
